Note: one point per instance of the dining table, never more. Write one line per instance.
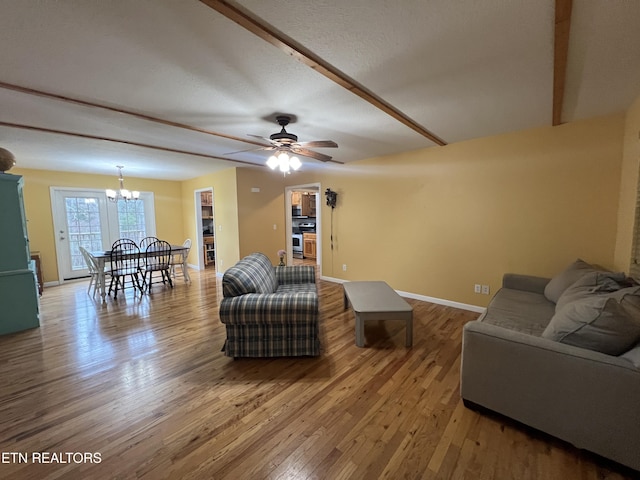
(104, 256)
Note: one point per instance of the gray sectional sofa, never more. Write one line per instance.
(561, 355)
(269, 311)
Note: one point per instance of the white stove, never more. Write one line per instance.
(297, 245)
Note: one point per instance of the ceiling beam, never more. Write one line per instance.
(124, 142)
(270, 34)
(560, 56)
(142, 116)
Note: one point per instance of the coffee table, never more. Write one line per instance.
(377, 301)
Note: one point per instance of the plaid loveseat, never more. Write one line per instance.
(269, 311)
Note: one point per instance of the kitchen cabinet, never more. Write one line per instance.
(309, 245)
(18, 291)
(296, 199)
(309, 204)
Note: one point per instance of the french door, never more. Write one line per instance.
(85, 218)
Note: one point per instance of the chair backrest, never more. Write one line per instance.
(125, 255)
(158, 255)
(187, 245)
(121, 240)
(89, 260)
(145, 242)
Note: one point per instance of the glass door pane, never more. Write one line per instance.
(80, 220)
(131, 220)
(84, 228)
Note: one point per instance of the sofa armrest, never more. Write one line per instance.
(295, 274)
(269, 308)
(527, 283)
(584, 397)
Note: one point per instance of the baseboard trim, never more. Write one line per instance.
(423, 298)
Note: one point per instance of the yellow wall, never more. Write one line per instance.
(37, 200)
(437, 221)
(628, 187)
(225, 213)
(259, 211)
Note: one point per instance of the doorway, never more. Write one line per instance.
(303, 225)
(206, 228)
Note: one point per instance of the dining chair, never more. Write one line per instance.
(145, 242)
(178, 260)
(157, 258)
(125, 261)
(94, 270)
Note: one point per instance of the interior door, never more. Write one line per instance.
(80, 220)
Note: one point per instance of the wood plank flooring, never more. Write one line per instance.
(141, 385)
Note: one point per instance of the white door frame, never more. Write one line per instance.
(307, 187)
(199, 242)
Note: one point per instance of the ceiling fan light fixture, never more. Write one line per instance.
(284, 162)
(273, 162)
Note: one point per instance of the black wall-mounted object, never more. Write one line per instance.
(332, 197)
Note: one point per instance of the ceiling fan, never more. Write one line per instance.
(284, 141)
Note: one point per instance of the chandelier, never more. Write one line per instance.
(122, 193)
(286, 163)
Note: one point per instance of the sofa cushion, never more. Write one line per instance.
(297, 287)
(592, 283)
(518, 310)
(598, 323)
(558, 284)
(253, 274)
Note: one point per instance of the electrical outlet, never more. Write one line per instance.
(275, 227)
(477, 288)
(344, 267)
(485, 289)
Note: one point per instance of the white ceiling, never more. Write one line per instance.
(461, 69)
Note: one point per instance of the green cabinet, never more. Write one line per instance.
(18, 290)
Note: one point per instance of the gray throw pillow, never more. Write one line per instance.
(558, 284)
(598, 323)
(592, 283)
(629, 299)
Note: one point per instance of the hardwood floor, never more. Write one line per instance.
(141, 385)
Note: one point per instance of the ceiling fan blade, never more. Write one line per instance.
(318, 144)
(251, 150)
(272, 142)
(311, 154)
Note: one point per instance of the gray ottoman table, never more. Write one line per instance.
(377, 301)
